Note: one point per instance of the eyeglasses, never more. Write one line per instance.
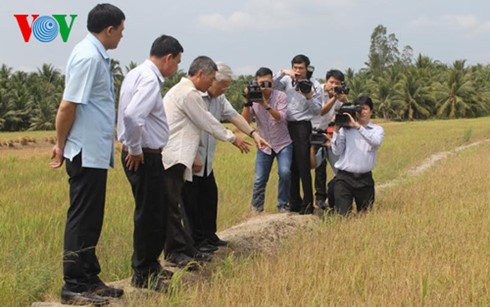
(265, 84)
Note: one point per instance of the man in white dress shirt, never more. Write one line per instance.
(143, 131)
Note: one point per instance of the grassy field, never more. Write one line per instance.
(427, 242)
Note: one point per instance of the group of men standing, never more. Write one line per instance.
(168, 150)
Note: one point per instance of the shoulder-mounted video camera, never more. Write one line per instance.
(341, 119)
(253, 93)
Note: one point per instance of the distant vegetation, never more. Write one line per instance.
(404, 87)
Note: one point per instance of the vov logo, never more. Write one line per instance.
(45, 28)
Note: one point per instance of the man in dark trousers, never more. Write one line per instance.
(356, 144)
(85, 133)
(304, 102)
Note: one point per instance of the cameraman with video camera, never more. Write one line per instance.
(356, 143)
(304, 97)
(335, 94)
(268, 106)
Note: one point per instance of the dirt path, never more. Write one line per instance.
(430, 162)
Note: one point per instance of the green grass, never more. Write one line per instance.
(410, 245)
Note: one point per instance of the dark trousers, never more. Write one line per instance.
(201, 205)
(83, 225)
(321, 180)
(300, 167)
(349, 187)
(179, 239)
(150, 213)
(330, 193)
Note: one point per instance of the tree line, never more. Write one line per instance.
(403, 87)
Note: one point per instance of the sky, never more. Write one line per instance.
(249, 34)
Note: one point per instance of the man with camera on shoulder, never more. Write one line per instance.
(356, 141)
(335, 95)
(304, 98)
(268, 107)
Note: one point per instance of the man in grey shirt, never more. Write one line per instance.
(200, 195)
(302, 106)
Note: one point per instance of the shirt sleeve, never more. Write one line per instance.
(279, 81)
(146, 94)
(315, 103)
(374, 136)
(281, 105)
(228, 110)
(194, 108)
(80, 79)
(338, 142)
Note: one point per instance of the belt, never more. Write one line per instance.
(355, 175)
(299, 122)
(145, 150)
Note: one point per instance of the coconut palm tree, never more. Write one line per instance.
(413, 97)
(457, 96)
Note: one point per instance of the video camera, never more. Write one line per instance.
(341, 119)
(317, 136)
(342, 89)
(253, 93)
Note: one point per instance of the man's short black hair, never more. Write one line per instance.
(104, 15)
(263, 71)
(300, 59)
(337, 74)
(364, 100)
(164, 45)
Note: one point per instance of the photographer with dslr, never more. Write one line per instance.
(304, 98)
(335, 94)
(356, 144)
(269, 109)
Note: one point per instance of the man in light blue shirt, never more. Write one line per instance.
(356, 145)
(85, 138)
(304, 97)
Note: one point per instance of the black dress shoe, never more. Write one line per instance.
(82, 298)
(203, 257)
(218, 242)
(181, 260)
(104, 290)
(156, 281)
(206, 247)
(308, 209)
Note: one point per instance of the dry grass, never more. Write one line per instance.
(426, 243)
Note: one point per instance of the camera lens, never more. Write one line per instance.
(265, 84)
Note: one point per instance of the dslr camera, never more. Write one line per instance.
(304, 86)
(342, 89)
(341, 119)
(253, 93)
(317, 136)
